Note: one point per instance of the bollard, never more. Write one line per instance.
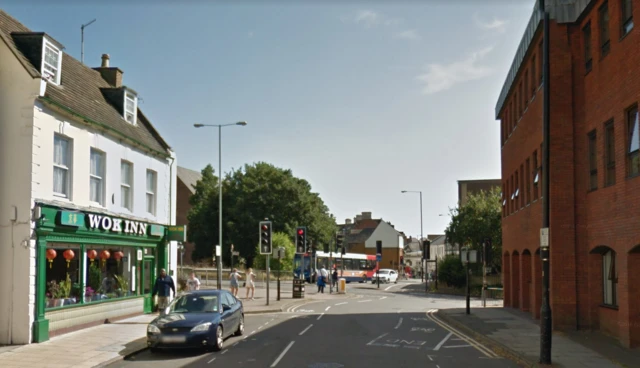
(342, 286)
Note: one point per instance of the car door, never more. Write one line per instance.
(227, 314)
(393, 276)
(237, 313)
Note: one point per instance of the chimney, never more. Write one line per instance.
(347, 221)
(366, 215)
(113, 76)
(358, 218)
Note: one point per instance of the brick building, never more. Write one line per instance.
(594, 183)
(186, 181)
(469, 187)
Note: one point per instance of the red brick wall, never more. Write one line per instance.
(182, 209)
(580, 219)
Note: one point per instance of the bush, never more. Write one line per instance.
(451, 272)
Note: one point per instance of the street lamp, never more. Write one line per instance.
(421, 234)
(219, 262)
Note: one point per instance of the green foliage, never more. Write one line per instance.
(95, 277)
(451, 272)
(277, 240)
(479, 218)
(250, 195)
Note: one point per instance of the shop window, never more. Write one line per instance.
(610, 278)
(62, 275)
(111, 274)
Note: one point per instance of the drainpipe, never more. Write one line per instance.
(171, 206)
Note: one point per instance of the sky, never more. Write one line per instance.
(363, 99)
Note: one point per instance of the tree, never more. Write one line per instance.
(257, 192)
(479, 218)
(286, 263)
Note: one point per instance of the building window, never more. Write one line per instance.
(603, 14)
(533, 76)
(610, 278)
(151, 191)
(634, 141)
(610, 154)
(96, 177)
(130, 107)
(627, 16)
(61, 166)
(586, 34)
(522, 187)
(126, 183)
(51, 62)
(528, 173)
(536, 174)
(593, 161)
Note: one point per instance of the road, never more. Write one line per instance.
(381, 327)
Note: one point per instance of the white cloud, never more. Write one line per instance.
(370, 18)
(496, 24)
(410, 34)
(439, 77)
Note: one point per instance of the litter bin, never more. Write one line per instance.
(298, 289)
(342, 286)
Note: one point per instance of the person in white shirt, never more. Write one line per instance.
(250, 283)
(193, 283)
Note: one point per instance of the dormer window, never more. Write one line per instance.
(130, 107)
(51, 62)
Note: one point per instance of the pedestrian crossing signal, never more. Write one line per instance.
(265, 237)
(301, 240)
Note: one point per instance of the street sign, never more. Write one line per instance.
(218, 250)
(236, 253)
(544, 237)
(378, 257)
(473, 256)
(178, 233)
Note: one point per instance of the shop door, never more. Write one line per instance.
(148, 278)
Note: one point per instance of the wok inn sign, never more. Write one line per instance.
(107, 223)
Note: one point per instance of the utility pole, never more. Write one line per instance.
(545, 308)
(484, 273)
(82, 40)
(468, 286)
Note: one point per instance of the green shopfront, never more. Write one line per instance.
(92, 267)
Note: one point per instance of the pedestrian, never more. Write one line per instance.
(163, 287)
(193, 283)
(234, 276)
(321, 283)
(250, 283)
(334, 277)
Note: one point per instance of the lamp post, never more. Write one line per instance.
(421, 234)
(219, 126)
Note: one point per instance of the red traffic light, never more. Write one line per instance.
(265, 227)
(300, 232)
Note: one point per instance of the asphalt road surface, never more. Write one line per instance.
(379, 328)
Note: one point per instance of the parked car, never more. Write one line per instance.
(386, 275)
(203, 318)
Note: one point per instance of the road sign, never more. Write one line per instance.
(473, 256)
(218, 250)
(544, 237)
(378, 257)
(236, 253)
(178, 233)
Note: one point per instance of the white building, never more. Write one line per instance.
(84, 175)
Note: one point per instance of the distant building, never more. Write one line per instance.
(186, 182)
(467, 187)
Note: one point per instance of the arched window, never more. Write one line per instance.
(610, 278)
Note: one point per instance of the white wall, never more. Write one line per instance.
(387, 234)
(17, 253)
(83, 139)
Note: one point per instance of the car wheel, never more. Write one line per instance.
(240, 330)
(219, 340)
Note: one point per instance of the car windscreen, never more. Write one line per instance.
(195, 304)
(383, 272)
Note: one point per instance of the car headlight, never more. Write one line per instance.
(153, 329)
(201, 327)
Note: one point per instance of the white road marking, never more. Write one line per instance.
(320, 316)
(443, 341)
(483, 349)
(457, 346)
(389, 287)
(399, 323)
(211, 360)
(384, 297)
(363, 301)
(275, 363)
(377, 338)
(306, 329)
(260, 328)
(327, 308)
(235, 344)
(430, 358)
(224, 351)
(342, 303)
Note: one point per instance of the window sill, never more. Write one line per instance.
(592, 190)
(626, 34)
(607, 306)
(62, 197)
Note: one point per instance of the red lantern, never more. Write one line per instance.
(104, 255)
(68, 255)
(51, 254)
(118, 256)
(92, 254)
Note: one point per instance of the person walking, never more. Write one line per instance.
(162, 287)
(234, 276)
(334, 277)
(193, 283)
(321, 282)
(250, 283)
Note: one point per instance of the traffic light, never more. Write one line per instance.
(339, 240)
(426, 249)
(301, 240)
(265, 237)
(379, 247)
(326, 247)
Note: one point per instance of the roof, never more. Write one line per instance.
(81, 93)
(565, 11)
(189, 177)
